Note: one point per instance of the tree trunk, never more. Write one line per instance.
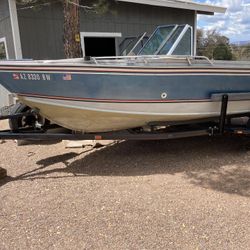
(71, 28)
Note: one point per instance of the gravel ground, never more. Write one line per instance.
(179, 194)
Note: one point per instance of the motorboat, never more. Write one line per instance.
(117, 93)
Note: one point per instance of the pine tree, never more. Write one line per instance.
(71, 29)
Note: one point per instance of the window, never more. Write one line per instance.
(99, 43)
(3, 49)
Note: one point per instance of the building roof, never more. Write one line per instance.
(182, 4)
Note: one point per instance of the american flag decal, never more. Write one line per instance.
(67, 77)
(15, 76)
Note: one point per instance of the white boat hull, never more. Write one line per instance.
(102, 116)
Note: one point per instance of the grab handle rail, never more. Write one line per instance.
(189, 59)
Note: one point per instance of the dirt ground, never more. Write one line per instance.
(179, 194)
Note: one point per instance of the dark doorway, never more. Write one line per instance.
(99, 46)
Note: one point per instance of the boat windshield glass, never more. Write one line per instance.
(125, 44)
(185, 45)
(157, 38)
(132, 45)
(170, 40)
(139, 44)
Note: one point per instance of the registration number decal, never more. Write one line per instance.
(31, 76)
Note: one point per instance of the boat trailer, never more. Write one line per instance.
(207, 127)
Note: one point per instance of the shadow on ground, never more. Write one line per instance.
(221, 164)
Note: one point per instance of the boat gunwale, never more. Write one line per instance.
(130, 62)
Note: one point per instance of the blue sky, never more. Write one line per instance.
(235, 23)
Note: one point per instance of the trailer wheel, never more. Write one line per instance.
(20, 122)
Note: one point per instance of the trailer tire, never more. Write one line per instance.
(16, 123)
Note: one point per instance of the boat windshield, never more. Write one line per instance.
(170, 40)
(156, 39)
(185, 46)
(132, 45)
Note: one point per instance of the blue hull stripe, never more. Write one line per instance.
(114, 87)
